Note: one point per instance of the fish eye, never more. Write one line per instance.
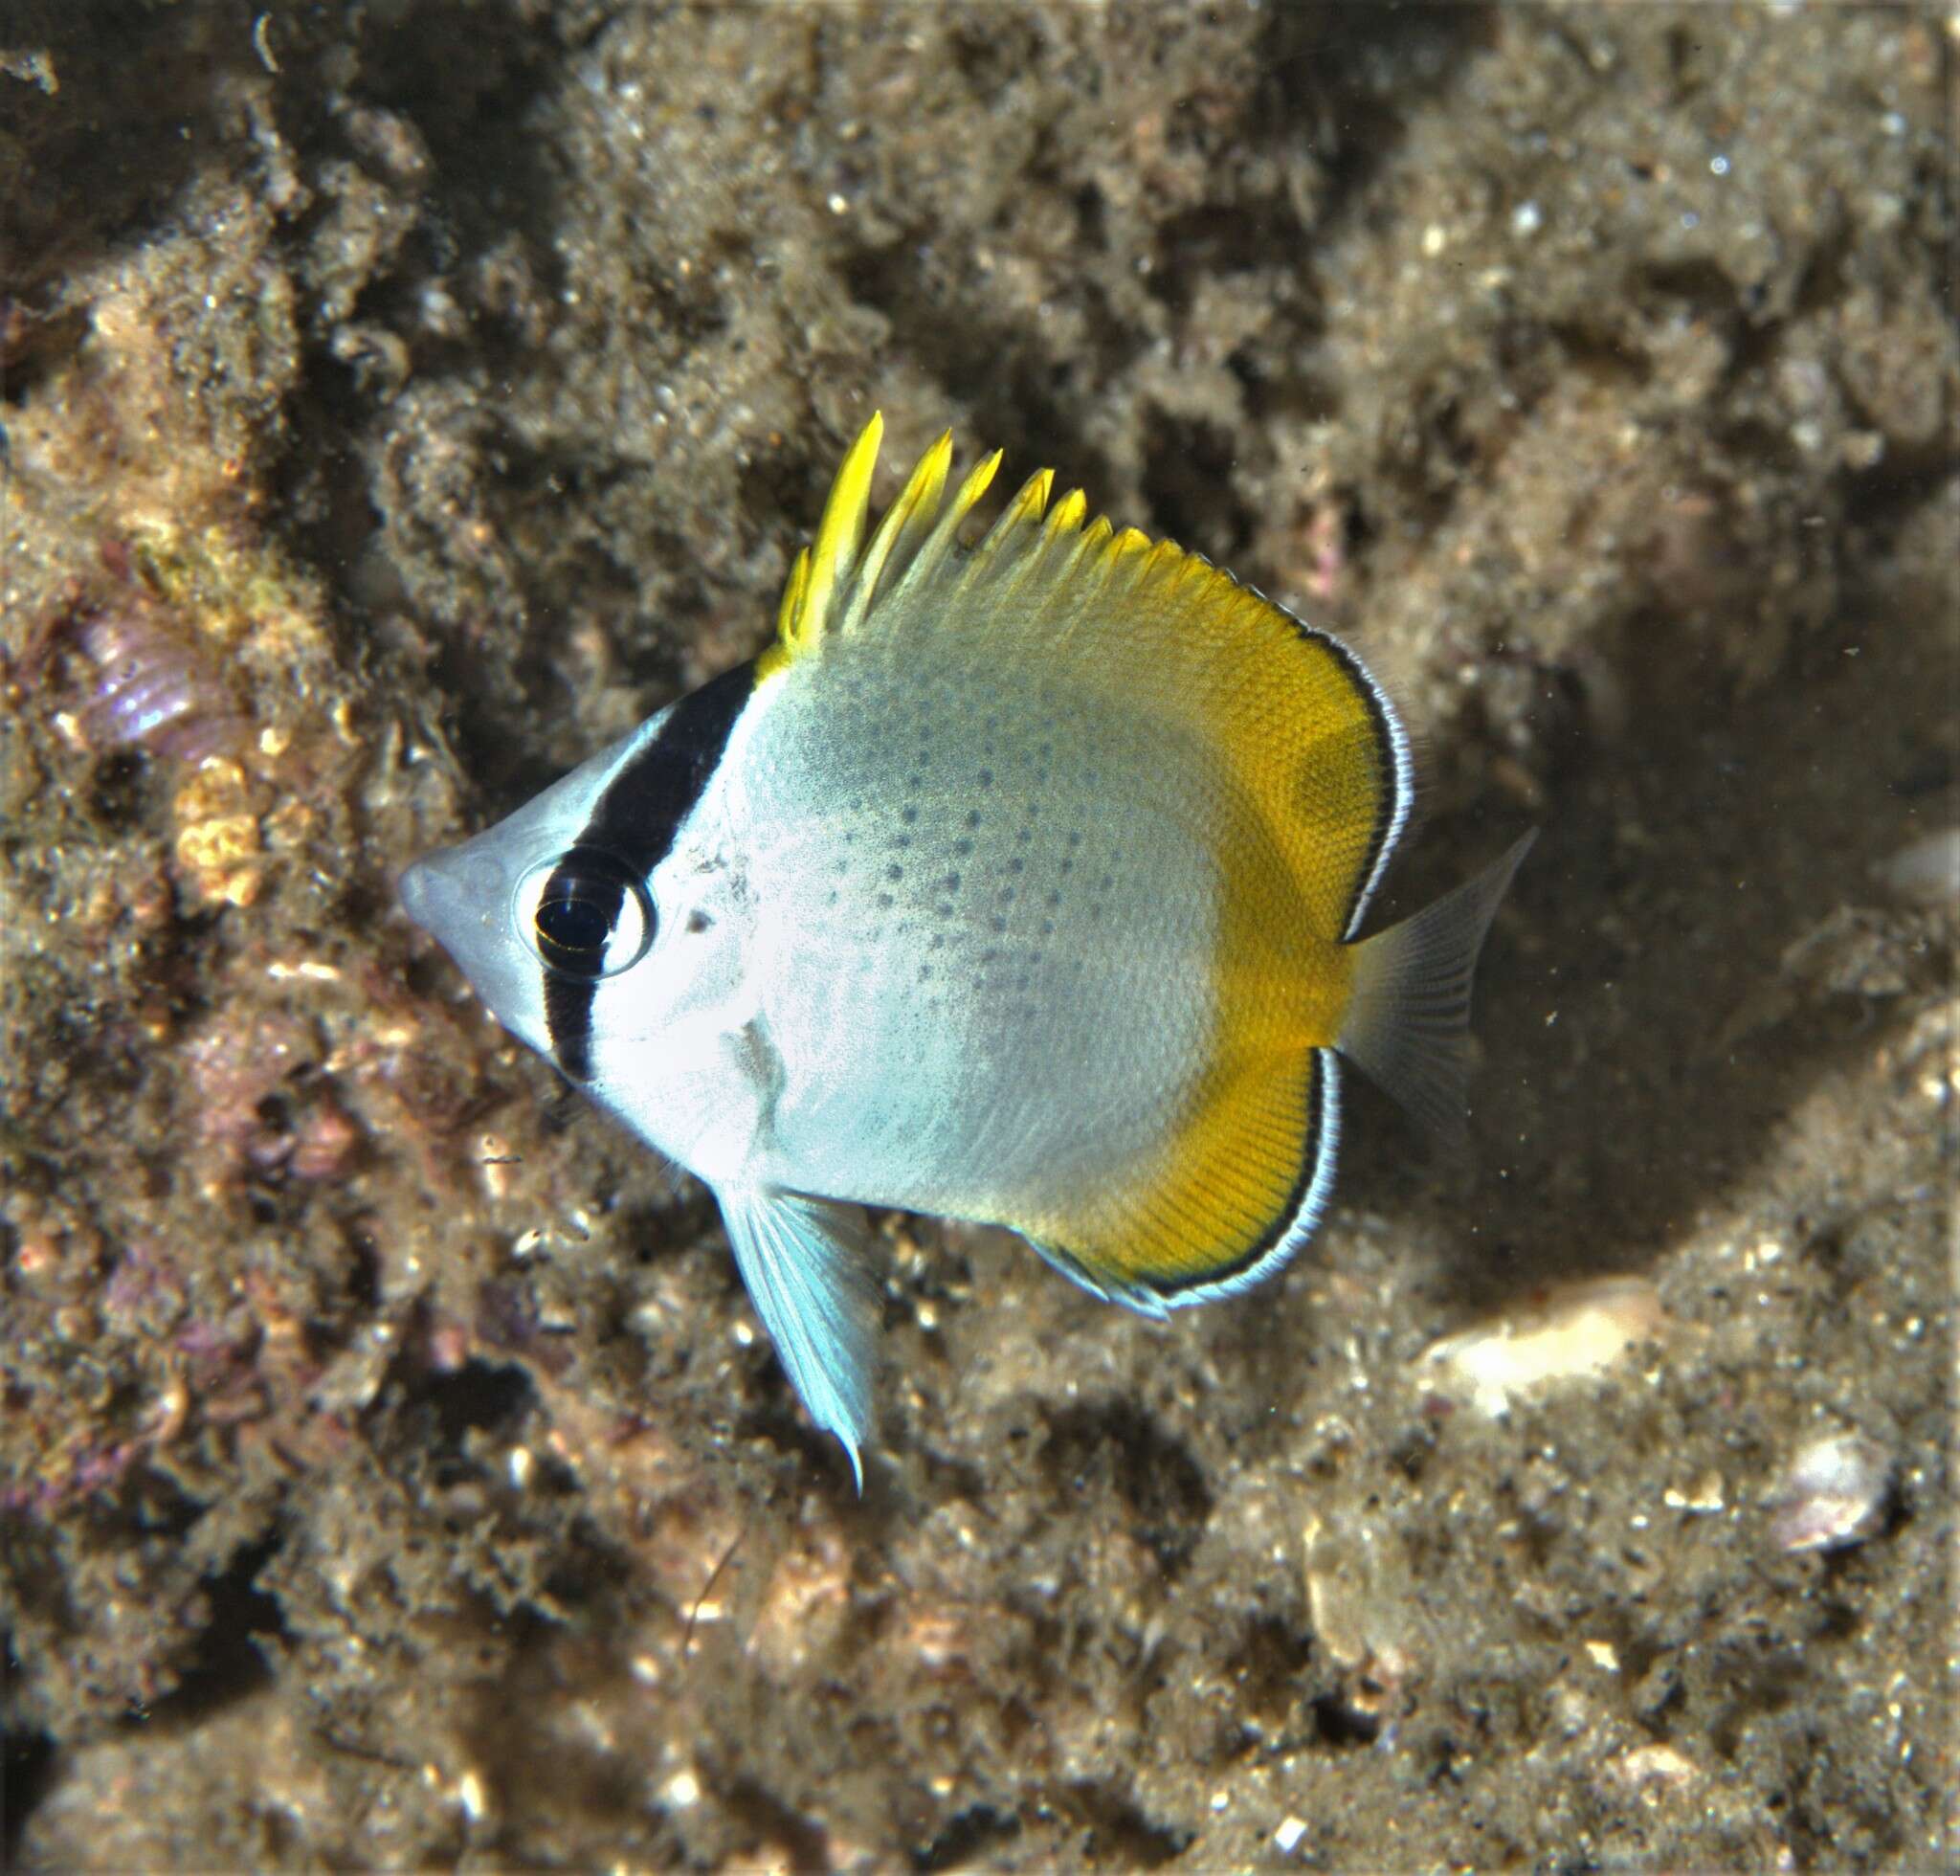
(584, 914)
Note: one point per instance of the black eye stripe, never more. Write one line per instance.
(633, 822)
(643, 806)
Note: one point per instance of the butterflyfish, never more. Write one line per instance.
(1018, 880)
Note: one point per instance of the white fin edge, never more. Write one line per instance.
(1140, 1297)
(1408, 1025)
(802, 1259)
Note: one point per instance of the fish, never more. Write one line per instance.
(1020, 881)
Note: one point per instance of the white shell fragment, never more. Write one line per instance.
(1834, 1494)
(1567, 1333)
(1926, 871)
(1651, 1770)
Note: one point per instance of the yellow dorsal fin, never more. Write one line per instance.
(1286, 716)
(1023, 511)
(834, 589)
(1066, 516)
(790, 613)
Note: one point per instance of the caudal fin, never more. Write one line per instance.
(1408, 1027)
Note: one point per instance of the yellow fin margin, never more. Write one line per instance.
(1247, 1188)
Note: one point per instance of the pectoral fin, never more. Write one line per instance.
(802, 1259)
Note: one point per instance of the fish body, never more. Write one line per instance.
(1017, 883)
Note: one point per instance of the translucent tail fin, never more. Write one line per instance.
(1408, 1026)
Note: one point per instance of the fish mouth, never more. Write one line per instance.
(451, 891)
(417, 889)
(460, 897)
(431, 893)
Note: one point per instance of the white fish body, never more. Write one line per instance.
(937, 948)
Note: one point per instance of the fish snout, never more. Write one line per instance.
(416, 890)
(450, 890)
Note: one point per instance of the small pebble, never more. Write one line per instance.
(683, 1789)
(1655, 1767)
(1834, 1494)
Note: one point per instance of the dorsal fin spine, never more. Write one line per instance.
(1097, 532)
(1122, 557)
(939, 543)
(905, 524)
(838, 537)
(833, 587)
(1068, 512)
(1025, 508)
(790, 611)
(1066, 518)
(1013, 541)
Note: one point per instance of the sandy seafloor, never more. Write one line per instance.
(404, 399)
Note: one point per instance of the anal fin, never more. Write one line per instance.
(1100, 1280)
(802, 1259)
(1249, 1187)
